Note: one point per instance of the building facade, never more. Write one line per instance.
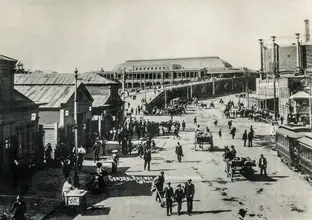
(57, 107)
(19, 131)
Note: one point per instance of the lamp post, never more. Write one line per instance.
(76, 177)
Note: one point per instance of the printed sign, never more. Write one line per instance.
(138, 179)
(73, 201)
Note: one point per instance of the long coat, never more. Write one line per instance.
(189, 190)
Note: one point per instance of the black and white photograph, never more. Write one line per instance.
(155, 109)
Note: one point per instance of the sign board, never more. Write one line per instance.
(73, 200)
(33, 116)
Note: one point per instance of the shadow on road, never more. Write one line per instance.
(259, 178)
(209, 212)
(97, 211)
(194, 161)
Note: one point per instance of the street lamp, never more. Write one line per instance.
(76, 177)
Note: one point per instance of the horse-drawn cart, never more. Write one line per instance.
(201, 140)
(239, 166)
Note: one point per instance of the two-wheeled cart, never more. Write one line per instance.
(239, 166)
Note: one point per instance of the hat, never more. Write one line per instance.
(190, 180)
(169, 183)
(179, 185)
(115, 151)
(162, 172)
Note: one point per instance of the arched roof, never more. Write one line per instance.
(186, 63)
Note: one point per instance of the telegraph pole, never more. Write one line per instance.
(247, 86)
(124, 96)
(76, 177)
(274, 75)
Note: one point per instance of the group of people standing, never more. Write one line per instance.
(178, 195)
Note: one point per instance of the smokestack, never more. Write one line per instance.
(307, 30)
(298, 51)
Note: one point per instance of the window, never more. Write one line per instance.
(143, 68)
(147, 68)
(140, 68)
(136, 68)
(164, 67)
(152, 68)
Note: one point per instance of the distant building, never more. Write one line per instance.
(153, 72)
(19, 132)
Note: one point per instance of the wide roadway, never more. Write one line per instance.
(283, 195)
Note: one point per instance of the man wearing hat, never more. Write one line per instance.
(179, 152)
(147, 159)
(179, 195)
(159, 184)
(189, 194)
(169, 195)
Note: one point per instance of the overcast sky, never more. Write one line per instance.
(61, 35)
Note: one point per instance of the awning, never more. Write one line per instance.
(307, 142)
(300, 95)
(288, 133)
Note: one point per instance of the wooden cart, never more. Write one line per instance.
(204, 140)
(238, 167)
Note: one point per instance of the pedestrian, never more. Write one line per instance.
(262, 165)
(189, 194)
(233, 131)
(130, 146)
(153, 145)
(183, 125)
(207, 129)
(245, 137)
(159, 184)
(18, 208)
(195, 120)
(215, 122)
(147, 159)
(141, 148)
(169, 196)
(179, 152)
(233, 151)
(115, 162)
(250, 137)
(176, 132)
(103, 146)
(220, 133)
(230, 124)
(96, 151)
(282, 119)
(48, 154)
(66, 169)
(179, 195)
(80, 154)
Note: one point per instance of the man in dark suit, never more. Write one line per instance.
(179, 195)
(147, 159)
(179, 152)
(169, 196)
(262, 165)
(189, 194)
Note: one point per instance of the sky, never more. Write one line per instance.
(61, 35)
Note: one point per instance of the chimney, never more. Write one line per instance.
(298, 51)
(307, 30)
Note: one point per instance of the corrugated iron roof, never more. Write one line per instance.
(99, 94)
(2, 57)
(48, 96)
(60, 79)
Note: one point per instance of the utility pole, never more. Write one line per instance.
(247, 86)
(124, 96)
(310, 102)
(76, 177)
(274, 75)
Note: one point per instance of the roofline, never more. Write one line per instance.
(182, 58)
(10, 59)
